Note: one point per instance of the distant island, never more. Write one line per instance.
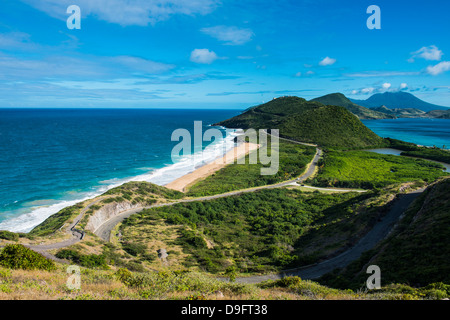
(388, 105)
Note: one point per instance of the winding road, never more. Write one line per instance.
(369, 241)
(376, 234)
(104, 231)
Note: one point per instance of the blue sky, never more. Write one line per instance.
(219, 54)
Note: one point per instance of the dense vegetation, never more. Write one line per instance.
(88, 261)
(8, 235)
(330, 126)
(17, 256)
(412, 150)
(308, 121)
(133, 189)
(363, 169)
(56, 221)
(293, 159)
(110, 256)
(338, 99)
(415, 253)
(259, 231)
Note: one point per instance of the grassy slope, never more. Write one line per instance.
(293, 159)
(261, 231)
(411, 149)
(119, 285)
(417, 252)
(363, 169)
(308, 121)
(329, 126)
(134, 192)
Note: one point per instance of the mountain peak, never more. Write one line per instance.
(400, 100)
(338, 99)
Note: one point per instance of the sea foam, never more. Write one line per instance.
(25, 222)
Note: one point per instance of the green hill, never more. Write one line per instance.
(307, 121)
(416, 252)
(338, 99)
(439, 114)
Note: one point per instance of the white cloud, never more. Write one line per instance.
(427, 53)
(142, 65)
(229, 35)
(203, 56)
(126, 12)
(368, 74)
(377, 88)
(327, 61)
(367, 90)
(298, 74)
(15, 40)
(439, 68)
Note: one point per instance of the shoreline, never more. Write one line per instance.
(181, 184)
(35, 215)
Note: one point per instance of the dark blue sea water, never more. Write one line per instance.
(51, 158)
(427, 132)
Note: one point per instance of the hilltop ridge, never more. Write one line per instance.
(338, 99)
(307, 121)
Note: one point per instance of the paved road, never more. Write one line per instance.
(104, 231)
(77, 235)
(369, 241)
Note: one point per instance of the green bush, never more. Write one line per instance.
(134, 249)
(17, 256)
(192, 239)
(289, 282)
(68, 254)
(5, 273)
(88, 261)
(8, 235)
(123, 275)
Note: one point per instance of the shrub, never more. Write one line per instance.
(5, 273)
(88, 261)
(8, 235)
(192, 239)
(135, 266)
(17, 256)
(69, 255)
(123, 275)
(134, 248)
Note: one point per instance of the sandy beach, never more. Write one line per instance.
(187, 180)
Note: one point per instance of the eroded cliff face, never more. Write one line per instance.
(107, 212)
